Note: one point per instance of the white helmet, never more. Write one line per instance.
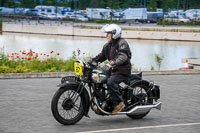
(113, 28)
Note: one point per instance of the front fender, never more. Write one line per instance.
(84, 94)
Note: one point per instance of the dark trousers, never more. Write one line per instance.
(113, 85)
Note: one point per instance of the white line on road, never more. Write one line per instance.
(136, 128)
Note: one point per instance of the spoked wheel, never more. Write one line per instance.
(67, 106)
(141, 96)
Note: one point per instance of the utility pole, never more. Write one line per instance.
(144, 3)
(177, 8)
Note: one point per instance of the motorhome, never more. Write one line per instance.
(135, 14)
(46, 9)
(193, 14)
(6, 10)
(98, 13)
(51, 9)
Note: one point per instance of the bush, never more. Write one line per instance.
(29, 62)
(6, 69)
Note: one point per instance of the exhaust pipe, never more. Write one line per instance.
(142, 109)
(136, 110)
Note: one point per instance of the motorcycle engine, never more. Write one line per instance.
(103, 99)
(107, 105)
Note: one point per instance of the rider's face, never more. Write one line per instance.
(109, 37)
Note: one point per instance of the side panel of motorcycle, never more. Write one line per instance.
(155, 89)
(156, 92)
(84, 93)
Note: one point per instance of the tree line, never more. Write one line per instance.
(113, 4)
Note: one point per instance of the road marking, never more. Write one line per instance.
(136, 128)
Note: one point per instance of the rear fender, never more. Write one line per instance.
(134, 82)
(84, 94)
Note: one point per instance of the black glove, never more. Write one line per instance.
(106, 68)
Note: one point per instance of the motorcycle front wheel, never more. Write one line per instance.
(67, 106)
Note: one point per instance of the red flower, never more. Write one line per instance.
(39, 61)
(62, 66)
(45, 62)
(23, 52)
(29, 58)
(41, 54)
(17, 56)
(49, 59)
(47, 55)
(22, 58)
(83, 53)
(44, 54)
(13, 54)
(58, 53)
(52, 52)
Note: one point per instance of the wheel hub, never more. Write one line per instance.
(67, 104)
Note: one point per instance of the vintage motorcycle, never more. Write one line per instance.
(72, 101)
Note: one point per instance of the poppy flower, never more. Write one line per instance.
(29, 58)
(58, 53)
(51, 52)
(45, 62)
(62, 66)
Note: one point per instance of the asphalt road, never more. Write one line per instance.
(25, 108)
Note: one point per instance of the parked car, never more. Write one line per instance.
(81, 18)
(43, 15)
(32, 12)
(68, 14)
(180, 19)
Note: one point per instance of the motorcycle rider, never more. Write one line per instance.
(118, 53)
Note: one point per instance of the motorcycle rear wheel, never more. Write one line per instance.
(67, 106)
(146, 101)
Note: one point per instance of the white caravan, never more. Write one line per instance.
(193, 14)
(135, 14)
(98, 13)
(6, 10)
(51, 9)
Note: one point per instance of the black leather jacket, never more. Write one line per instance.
(121, 56)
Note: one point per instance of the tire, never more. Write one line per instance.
(147, 99)
(63, 108)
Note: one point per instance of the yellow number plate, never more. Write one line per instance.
(78, 68)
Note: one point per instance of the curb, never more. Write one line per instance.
(63, 74)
